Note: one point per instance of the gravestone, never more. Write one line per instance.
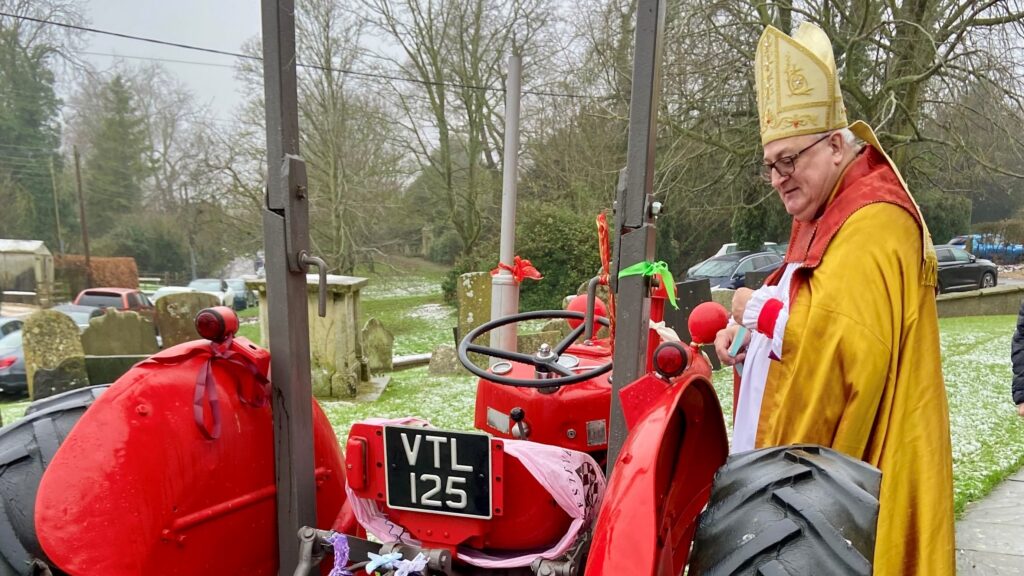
(378, 345)
(53, 352)
(445, 360)
(118, 333)
(336, 351)
(176, 316)
(473, 291)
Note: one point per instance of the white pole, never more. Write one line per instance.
(504, 291)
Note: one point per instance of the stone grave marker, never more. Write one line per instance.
(378, 345)
(445, 360)
(119, 333)
(473, 291)
(54, 359)
(176, 315)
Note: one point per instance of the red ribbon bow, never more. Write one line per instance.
(205, 396)
(520, 269)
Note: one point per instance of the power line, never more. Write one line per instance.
(376, 76)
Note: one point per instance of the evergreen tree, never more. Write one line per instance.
(117, 158)
(29, 137)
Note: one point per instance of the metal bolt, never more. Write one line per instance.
(571, 433)
(142, 410)
(656, 208)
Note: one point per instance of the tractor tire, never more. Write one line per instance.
(26, 448)
(797, 510)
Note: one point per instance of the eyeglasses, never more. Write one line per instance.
(785, 165)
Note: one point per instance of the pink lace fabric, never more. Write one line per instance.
(573, 479)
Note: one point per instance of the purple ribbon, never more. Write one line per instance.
(205, 395)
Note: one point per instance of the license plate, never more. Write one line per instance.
(437, 471)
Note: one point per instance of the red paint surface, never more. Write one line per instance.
(136, 488)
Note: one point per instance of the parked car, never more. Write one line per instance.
(740, 281)
(961, 270)
(166, 290)
(244, 297)
(13, 379)
(8, 325)
(117, 298)
(721, 271)
(79, 314)
(731, 247)
(219, 288)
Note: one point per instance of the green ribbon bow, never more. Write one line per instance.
(650, 269)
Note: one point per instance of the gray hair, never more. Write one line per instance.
(850, 139)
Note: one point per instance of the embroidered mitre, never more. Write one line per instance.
(797, 84)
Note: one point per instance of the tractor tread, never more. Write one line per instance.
(27, 447)
(791, 510)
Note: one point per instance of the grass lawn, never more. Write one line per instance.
(987, 435)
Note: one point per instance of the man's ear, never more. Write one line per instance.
(837, 146)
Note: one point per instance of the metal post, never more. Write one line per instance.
(56, 208)
(633, 218)
(504, 290)
(285, 234)
(81, 216)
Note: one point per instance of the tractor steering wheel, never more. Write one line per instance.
(545, 361)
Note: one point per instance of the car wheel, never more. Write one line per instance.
(988, 280)
(799, 510)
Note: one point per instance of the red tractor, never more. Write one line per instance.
(209, 459)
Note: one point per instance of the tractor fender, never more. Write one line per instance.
(661, 480)
(139, 487)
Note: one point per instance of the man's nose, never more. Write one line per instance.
(777, 178)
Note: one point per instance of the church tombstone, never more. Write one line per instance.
(54, 359)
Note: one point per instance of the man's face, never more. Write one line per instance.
(815, 171)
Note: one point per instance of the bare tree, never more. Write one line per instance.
(453, 55)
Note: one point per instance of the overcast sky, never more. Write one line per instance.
(218, 24)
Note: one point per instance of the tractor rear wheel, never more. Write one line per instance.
(26, 448)
(791, 510)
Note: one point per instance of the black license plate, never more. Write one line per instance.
(438, 471)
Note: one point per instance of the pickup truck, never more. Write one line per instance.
(991, 246)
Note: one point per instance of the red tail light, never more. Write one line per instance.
(7, 361)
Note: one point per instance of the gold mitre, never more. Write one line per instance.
(797, 84)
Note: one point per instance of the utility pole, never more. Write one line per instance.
(56, 208)
(81, 216)
(191, 231)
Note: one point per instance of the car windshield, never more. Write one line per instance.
(12, 340)
(100, 300)
(715, 267)
(208, 285)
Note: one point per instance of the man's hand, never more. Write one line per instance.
(739, 303)
(723, 341)
(1020, 407)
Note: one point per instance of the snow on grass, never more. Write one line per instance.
(400, 287)
(446, 401)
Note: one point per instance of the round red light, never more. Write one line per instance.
(216, 323)
(706, 320)
(670, 359)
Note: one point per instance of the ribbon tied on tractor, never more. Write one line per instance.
(206, 397)
(659, 268)
(521, 268)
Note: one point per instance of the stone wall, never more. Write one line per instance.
(985, 302)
